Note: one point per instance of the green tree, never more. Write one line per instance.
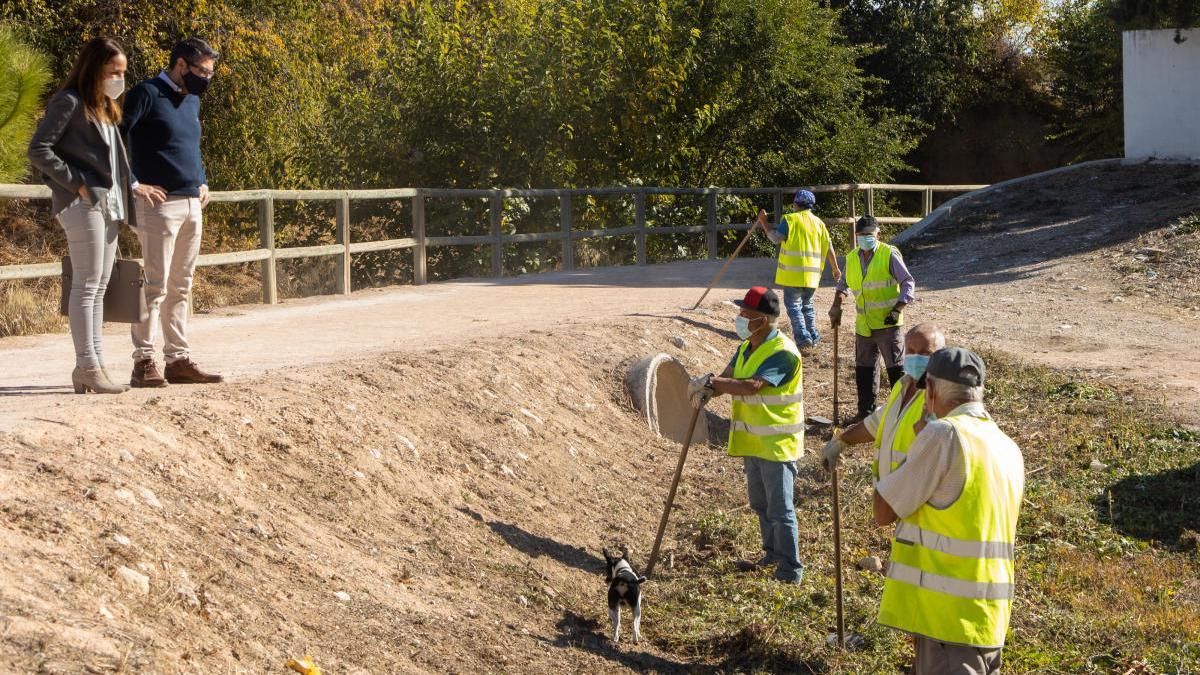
(24, 73)
(1081, 47)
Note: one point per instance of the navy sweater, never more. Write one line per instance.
(162, 132)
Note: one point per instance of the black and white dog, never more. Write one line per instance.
(624, 588)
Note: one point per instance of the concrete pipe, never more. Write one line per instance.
(658, 386)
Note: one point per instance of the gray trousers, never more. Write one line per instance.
(92, 242)
(942, 658)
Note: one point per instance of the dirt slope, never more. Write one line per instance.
(458, 497)
(1087, 269)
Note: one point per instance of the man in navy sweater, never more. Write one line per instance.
(161, 125)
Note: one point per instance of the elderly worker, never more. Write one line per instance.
(767, 425)
(882, 287)
(893, 427)
(950, 579)
(805, 247)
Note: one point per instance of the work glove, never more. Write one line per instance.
(700, 390)
(892, 318)
(835, 315)
(832, 452)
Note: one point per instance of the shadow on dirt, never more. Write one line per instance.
(537, 546)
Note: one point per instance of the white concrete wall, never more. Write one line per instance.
(1162, 94)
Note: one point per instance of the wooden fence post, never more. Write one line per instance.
(776, 209)
(266, 237)
(927, 202)
(564, 222)
(419, 259)
(870, 207)
(342, 215)
(495, 209)
(710, 233)
(639, 222)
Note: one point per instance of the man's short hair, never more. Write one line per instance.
(954, 393)
(931, 334)
(192, 50)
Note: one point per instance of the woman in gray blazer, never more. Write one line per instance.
(79, 154)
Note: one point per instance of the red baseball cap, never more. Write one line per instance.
(760, 299)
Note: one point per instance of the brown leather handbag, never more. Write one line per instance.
(124, 299)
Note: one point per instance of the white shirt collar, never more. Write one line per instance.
(972, 408)
(162, 75)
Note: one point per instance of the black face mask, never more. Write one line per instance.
(194, 83)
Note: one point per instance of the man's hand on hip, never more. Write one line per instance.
(204, 196)
(153, 194)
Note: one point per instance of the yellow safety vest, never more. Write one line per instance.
(769, 424)
(802, 254)
(874, 294)
(893, 440)
(950, 577)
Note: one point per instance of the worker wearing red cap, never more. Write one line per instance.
(766, 429)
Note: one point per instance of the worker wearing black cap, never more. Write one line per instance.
(882, 287)
(950, 578)
(766, 426)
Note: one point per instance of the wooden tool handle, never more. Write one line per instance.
(662, 523)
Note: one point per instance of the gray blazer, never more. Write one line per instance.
(69, 151)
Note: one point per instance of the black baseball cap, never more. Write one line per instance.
(866, 224)
(956, 364)
(760, 299)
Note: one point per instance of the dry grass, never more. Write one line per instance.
(29, 308)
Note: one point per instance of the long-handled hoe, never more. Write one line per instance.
(662, 523)
(720, 273)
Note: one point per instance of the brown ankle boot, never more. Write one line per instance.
(146, 376)
(187, 372)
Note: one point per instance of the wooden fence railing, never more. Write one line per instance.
(268, 254)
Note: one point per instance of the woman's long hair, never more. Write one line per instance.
(87, 78)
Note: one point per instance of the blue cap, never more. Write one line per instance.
(805, 199)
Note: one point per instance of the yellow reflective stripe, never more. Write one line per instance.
(798, 268)
(871, 285)
(908, 533)
(959, 588)
(771, 400)
(800, 254)
(766, 429)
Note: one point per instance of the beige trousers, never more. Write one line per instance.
(170, 237)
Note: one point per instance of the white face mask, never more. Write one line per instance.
(114, 87)
(742, 324)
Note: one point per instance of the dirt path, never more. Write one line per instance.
(1080, 270)
(1037, 271)
(250, 340)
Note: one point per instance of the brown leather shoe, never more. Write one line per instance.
(187, 372)
(146, 376)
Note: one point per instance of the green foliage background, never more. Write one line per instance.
(24, 74)
(508, 93)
